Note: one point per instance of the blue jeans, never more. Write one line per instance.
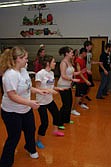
(102, 90)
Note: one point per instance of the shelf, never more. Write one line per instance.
(43, 36)
(38, 25)
(32, 10)
(42, 25)
(37, 7)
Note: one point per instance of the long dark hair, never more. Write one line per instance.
(64, 50)
(46, 59)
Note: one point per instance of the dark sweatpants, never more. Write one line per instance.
(15, 123)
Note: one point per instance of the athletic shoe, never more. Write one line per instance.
(39, 144)
(71, 122)
(84, 106)
(88, 98)
(82, 103)
(74, 112)
(34, 155)
(105, 94)
(97, 97)
(61, 127)
(58, 133)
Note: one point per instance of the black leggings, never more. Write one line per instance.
(65, 111)
(52, 107)
(15, 123)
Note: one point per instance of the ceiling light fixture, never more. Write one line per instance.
(31, 2)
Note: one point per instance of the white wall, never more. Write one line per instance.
(75, 19)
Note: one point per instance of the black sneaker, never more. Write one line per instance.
(100, 97)
(88, 98)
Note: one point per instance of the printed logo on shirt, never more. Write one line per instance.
(28, 83)
(50, 82)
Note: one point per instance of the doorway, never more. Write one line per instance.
(98, 47)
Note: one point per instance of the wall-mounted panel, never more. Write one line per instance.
(52, 45)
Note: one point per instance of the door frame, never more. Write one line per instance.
(97, 51)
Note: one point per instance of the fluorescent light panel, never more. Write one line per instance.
(11, 2)
(48, 2)
(31, 2)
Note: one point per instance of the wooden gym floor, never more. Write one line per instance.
(87, 142)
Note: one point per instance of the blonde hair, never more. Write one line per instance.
(9, 56)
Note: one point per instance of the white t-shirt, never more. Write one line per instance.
(66, 83)
(47, 81)
(21, 83)
(88, 64)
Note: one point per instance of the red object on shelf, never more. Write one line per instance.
(49, 18)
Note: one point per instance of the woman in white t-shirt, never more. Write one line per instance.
(16, 107)
(45, 79)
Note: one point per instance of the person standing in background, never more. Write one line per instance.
(39, 58)
(75, 55)
(104, 69)
(16, 107)
(88, 47)
(109, 77)
(65, 81)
